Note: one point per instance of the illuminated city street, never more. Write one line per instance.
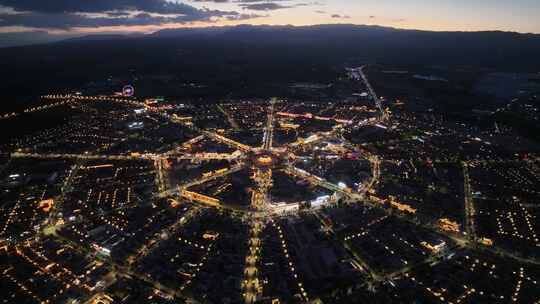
(267, 201)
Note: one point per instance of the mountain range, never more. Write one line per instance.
(256, 53)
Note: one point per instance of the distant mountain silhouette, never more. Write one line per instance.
(235, 56)
(507, 50)
(28, 38)
(102, 37)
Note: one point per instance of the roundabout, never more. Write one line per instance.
(296, 164)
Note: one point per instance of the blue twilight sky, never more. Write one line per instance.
(39, 18)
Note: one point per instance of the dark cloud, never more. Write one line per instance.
(260, 1)
(338, 16)
(70, 20)
(264, 6)
(67, 21)
(118, 14)
(269, 5)
(98, 6)
(66, 14)
(213, 1)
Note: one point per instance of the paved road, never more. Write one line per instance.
(269, 129)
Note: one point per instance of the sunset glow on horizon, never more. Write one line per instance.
(153, 15)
